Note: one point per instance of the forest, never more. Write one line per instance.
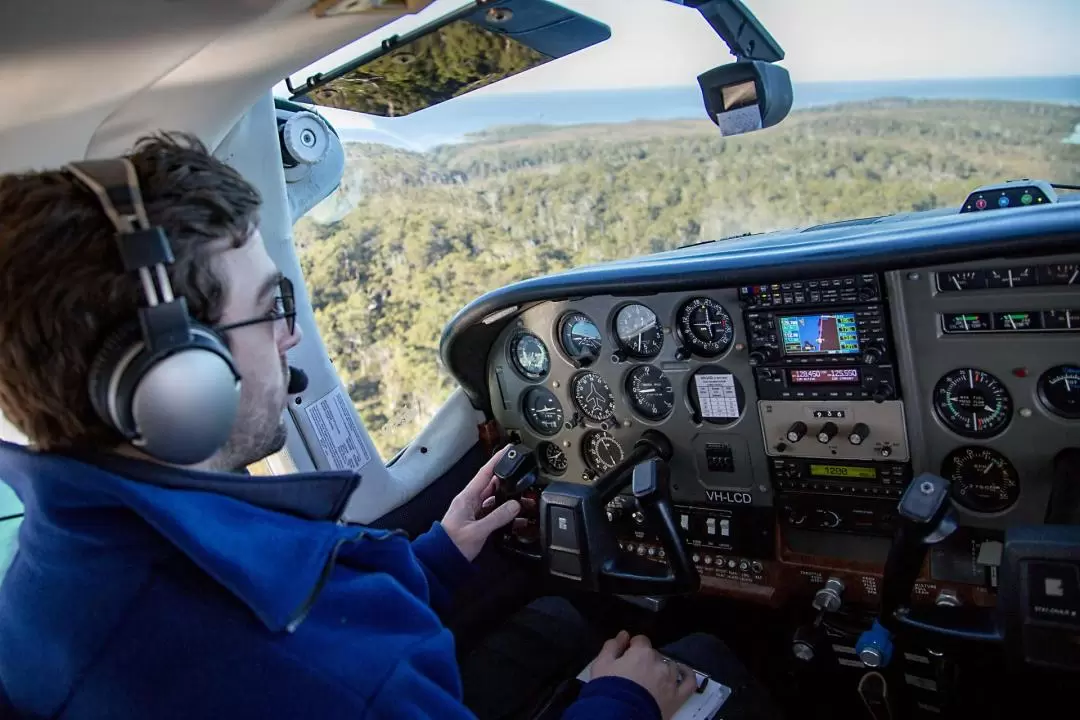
(426, 233)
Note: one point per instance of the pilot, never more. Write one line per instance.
(146, 588)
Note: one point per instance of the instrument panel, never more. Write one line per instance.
(799, 411)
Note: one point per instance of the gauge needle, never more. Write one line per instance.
(1068, 388)
(971, 380)
(1010, 318)
(964, 318)
(956, 282)
(1073, 278)
(989, 467)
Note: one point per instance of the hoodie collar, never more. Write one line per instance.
(260, 542)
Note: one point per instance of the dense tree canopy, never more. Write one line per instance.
(432, 231)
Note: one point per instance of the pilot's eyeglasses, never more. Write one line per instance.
(284, 309)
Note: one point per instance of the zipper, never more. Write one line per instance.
(328, 567)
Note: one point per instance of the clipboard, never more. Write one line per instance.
(707, 699)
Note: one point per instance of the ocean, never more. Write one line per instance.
(452, 121)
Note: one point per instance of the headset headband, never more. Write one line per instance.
(144, 248)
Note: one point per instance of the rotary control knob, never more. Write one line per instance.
(639, 517)
(827, 432)
(947, 598)
(859, 433)
(758, 358)
(796, 432)
(873, 353)
(614, 512)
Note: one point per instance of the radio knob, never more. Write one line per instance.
(860, 432)
(828, 432)
(873, 353)
(796, 432)
(867, 292)
(758, 358)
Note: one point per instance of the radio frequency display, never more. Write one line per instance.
(848, 471)
(825, 334)
(846, 376)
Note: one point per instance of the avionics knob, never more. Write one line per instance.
(828, 597)
(860, 432)
(873, 353)
(828, 432)
(796, 432)
(758, 358)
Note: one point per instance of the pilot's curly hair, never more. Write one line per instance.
(63, 288)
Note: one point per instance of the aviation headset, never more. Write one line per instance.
(165, 382)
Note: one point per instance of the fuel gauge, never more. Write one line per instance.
(1059, 390)
(1060, 274)
(955, 280)
(1014, 321)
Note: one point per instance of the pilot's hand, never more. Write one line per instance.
(461, 522)
(636, 660)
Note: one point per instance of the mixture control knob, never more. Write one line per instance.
(828, 432)
(828, 597)
(947, 598)
(804, 643)
(796, 432)
(859, 433)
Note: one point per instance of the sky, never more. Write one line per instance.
(659, 43)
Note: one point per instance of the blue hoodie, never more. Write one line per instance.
(143, 591)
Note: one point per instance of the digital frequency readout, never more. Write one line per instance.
(845, 376)
(846, 471)
(825, 334)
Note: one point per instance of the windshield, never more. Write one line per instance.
(607, 154)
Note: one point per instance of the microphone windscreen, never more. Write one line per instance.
(297, 380)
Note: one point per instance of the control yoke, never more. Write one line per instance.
(576, 539)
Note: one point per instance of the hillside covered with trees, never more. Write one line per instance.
(432, 231)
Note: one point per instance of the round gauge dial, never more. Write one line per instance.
(580, 338)
(1059, 390)
(716, 396)
(705, 326)
(983, 479)
(530, 356)
(639, 331)
(650, 391)
(593, 396)
(542, 411)
(972, 403)
(602, 452)
(552, 458)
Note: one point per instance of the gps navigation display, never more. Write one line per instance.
(824, 334)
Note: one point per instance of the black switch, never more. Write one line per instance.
(563, 528)
(1054, 592)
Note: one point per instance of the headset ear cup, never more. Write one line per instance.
(125, 342)
(184, 401)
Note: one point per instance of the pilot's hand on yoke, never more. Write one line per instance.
(670, 683)
(471, 517)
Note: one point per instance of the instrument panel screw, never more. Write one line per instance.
(1025, 412)
(926, 488)
(555, 384)
(913, 276)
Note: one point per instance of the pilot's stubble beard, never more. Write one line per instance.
(259, 429)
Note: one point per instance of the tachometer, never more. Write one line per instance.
(552, 458)
(530, 356)
(651, 393)
(972, 403)
(1059, 390)
(593, 396)
(639, 331)
(602, 452)
(705, 326)
(542, 411)
(580, 338)
(983, 479)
